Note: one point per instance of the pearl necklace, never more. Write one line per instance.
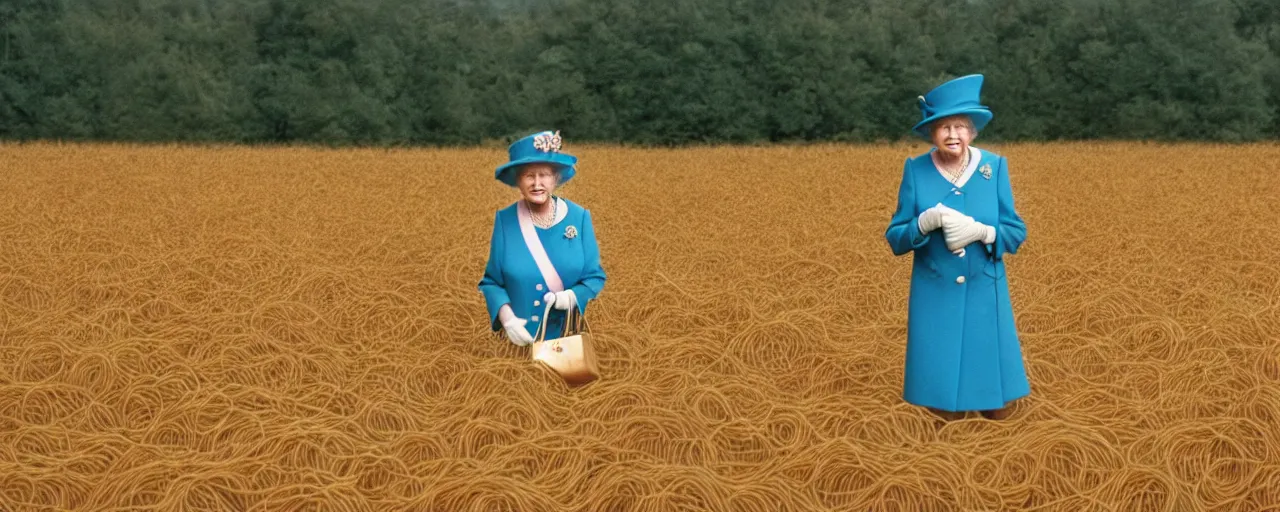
(540, 221)
(954, 176)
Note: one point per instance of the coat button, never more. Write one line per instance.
(539, 287)
(537, 303)
(960, 280)
(534, 318)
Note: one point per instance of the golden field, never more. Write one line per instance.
(226, 328)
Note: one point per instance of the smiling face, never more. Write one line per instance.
(537, 182)
(952, 135)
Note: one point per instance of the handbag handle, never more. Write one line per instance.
(575, 323)
(581, 320)
(542, 326)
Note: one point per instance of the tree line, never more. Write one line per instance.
(446, 72)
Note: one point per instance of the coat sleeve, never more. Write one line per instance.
(1011, 230)
(593, 277)
(903, 234)
(492, 285)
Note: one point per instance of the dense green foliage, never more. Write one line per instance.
(641, 71)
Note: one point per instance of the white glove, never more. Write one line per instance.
(931, 219)
(516, 332)
(961, 230)
(566, 300)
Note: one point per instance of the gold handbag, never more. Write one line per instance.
(571, 355)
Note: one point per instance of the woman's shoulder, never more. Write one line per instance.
(574, 208)
(921, 162)
(926, 157)
(988, 155)
(507, 213)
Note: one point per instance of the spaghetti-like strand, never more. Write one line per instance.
(262, 329)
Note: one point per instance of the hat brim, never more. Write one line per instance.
(507, 173)
(980, 116)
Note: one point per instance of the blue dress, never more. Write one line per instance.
(963, 352)
(512, 277)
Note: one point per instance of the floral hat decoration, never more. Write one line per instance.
(541, 147)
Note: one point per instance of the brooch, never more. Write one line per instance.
(571, 232)
(547, 142)
(986, 171)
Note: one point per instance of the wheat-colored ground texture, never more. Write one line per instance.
(225, 328)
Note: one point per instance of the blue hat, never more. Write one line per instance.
(541, 147)
(959, 96)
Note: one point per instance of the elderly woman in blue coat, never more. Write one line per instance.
(543, 249)
(955, 214)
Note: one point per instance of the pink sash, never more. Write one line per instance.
(539, 253)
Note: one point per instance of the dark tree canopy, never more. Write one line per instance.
(384, 72)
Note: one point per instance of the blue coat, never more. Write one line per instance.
(512, 277)
(963, 352)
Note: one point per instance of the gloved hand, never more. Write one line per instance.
(516, 332)
(961, 230)
(931, 219)
(566, 300)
